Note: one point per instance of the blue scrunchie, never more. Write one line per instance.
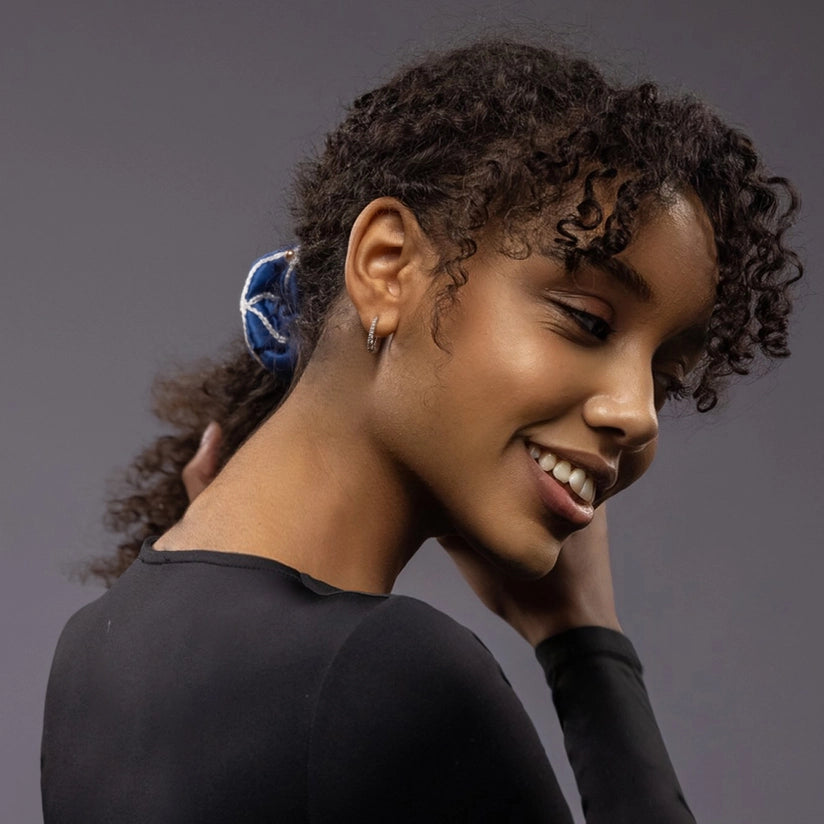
(268, 305)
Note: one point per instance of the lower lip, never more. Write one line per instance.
(557, 499)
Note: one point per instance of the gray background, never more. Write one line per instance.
(144, 150)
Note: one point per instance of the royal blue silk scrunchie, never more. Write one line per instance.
(268, 305)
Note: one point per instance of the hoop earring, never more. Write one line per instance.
(371, 338)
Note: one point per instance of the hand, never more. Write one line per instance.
(576, 592)
(201, 470)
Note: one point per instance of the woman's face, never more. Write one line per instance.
(546, 373)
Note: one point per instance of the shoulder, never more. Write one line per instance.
(416, 716)
(407, 666)
(412, 640)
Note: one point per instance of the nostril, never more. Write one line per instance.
(630, 420)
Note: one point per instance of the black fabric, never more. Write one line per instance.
(214, 687)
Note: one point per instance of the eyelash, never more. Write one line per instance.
(674, 389)
(591, 324)
(601, 330)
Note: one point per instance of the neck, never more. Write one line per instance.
(314, 491)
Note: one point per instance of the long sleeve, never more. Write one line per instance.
(167, 702)
(613, 742)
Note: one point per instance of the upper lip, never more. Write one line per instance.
(603, 473)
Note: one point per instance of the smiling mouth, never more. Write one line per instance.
(567, 474)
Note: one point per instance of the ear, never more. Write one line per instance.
(388, 264)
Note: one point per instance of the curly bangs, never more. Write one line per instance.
(507, 132)
(545, 147)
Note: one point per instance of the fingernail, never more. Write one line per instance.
(208, 433)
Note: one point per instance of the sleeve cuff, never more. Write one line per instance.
(559, 651)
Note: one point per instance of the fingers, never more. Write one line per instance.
(201, 470)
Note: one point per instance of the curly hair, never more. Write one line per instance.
(512, 133)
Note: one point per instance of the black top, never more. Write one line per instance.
(215, 687)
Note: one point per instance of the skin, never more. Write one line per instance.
(426, 442)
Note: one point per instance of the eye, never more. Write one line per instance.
(670, 387)
(592, 324)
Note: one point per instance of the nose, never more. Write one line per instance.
(624, 405)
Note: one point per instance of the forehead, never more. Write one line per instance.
(671, 255)
(673, 250)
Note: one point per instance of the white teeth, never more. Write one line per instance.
(576, 479)
(547, 461)
(561, 471)
(565, 473)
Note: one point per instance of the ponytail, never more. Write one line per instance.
(497, 131)
(149, 498)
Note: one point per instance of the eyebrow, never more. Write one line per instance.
(626, 276)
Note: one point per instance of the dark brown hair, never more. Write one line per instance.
(507, 132)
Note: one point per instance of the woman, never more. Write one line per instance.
(505, 268)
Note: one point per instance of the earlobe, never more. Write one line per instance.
(386, 264)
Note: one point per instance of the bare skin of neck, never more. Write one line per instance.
(311, 489)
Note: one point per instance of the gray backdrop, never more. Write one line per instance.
(144, 151)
